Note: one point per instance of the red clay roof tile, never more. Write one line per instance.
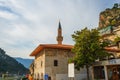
(53, 46)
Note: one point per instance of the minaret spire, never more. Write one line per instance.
(59, 36)
(59, 27)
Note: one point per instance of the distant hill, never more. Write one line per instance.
(25, 62)
(10, 65)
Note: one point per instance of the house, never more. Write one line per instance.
(51, 60)
(109, 68)
(109, 25)
(109, 28)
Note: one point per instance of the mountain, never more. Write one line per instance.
(110, 17)
(10, 65)
(25, 62)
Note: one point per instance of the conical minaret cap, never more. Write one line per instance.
(59, 25)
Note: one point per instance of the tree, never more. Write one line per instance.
(117, 40)
(88, 48)
(116, 5)
(113, 22)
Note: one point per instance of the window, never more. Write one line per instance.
(38, 77)
(99, 72)
(41, 63)
(55, 63)
(41, 76)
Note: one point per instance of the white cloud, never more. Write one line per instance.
(7, 15)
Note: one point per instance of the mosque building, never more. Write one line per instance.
(51, 60)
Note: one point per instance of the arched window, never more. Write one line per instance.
(41, 63)
(35, 76)
(111, 56)
(42, 76)
(38, 77)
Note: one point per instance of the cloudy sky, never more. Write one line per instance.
(24, 24)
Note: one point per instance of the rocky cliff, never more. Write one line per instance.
(110, 17)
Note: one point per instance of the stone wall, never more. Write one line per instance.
(39, 65)
(44, 64)
(62, 56)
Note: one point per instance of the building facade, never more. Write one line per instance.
(109, 68)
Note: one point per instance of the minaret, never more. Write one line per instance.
(59, 36)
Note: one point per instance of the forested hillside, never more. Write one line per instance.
(10, 65)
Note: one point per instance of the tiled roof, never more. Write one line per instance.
(112, 49)
(53, 46)
(63, 46)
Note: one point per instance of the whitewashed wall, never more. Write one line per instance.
(65, 77)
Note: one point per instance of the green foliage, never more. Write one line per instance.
(117, 39)
(88, 47)
(70, 60)
(9, 64)
(113, 22)
(116, 5)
